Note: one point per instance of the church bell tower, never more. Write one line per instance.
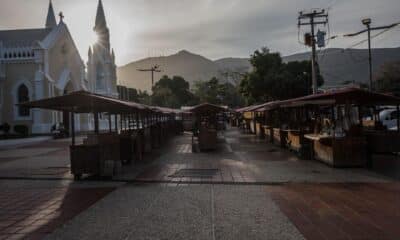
(101, 60)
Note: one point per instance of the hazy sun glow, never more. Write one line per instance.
(93, 38)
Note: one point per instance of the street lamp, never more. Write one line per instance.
(366, 21)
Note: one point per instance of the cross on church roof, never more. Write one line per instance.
(61, 16)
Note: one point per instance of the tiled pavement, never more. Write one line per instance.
(367, 211)
(48, 159)
(243, 159)
(321, 202)
(27, 213)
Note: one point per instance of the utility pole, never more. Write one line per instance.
(367, 23)
(313, 18)
(153, 69)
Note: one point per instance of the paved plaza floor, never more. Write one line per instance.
(246, 189)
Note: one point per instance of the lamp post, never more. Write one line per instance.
(367, 23)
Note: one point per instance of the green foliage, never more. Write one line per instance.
(172, 92)
(272, 79)
(215, 92)
(388, 79)
(144, 97)
(22, 130)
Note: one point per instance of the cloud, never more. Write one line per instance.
(213, 28)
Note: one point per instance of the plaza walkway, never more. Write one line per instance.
(247, 189)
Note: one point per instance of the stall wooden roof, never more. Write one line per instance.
(207, 108)
(86, 102)
(243, 109)
(165, 110)
(344, 96)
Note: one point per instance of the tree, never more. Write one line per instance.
(214, 92)
(271, 79)
(388, 78)
(172, 92)
(144, 97)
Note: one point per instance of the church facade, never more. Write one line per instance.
(45, 62)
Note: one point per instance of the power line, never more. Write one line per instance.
(359, 42)
(155, 68)
(367, 23)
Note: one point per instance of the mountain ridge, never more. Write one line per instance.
(337, 66)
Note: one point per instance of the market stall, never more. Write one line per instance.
(102, 153)
(338, 136)
(206, 125)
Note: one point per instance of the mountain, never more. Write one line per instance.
(348, 65)
(337, 66)
(190, 66)
(242, 64)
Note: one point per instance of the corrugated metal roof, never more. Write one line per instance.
(23, 37)
(86, 102)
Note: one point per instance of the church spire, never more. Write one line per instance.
(100, 18)
(51, 18)
(101, 27)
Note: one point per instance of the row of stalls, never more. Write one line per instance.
(342, 128)
(134, 129)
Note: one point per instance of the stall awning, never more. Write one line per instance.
(165, 110)
(242, 110)
(206, 108)
(86, 102)
(308, 103)
(345, 96)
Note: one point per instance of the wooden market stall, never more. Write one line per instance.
(102, 152)
(257, 119)
(274, 123)
(206, 125)
(244, 119)
(338, 136)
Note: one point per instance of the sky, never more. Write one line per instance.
(212, 28)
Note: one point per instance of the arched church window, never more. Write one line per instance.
(23, 96)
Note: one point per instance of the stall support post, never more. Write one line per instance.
(116, 122)
(73, 128)
(109, 122)
(96, 122)
(125, 122)
(398, 117)
(120, 121)
(137, 120)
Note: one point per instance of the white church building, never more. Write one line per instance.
(45, 62)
